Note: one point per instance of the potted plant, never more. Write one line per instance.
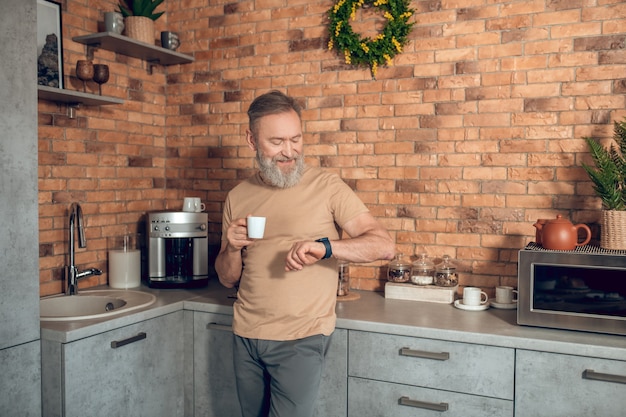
(609, 182)
(139, 17)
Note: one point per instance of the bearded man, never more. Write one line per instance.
(284, 314)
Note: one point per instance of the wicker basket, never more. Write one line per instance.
(613, 230)
(140, 28)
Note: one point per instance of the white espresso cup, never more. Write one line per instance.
(193, 204)
(474, 296)
(504, 295)
(189, 204)
(256, 227)
(198, 205)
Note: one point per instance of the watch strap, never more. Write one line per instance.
(329, 249)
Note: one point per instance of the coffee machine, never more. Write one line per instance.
(177, 249)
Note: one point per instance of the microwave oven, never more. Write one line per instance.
(583, 289)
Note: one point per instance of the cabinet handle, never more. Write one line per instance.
(217, 326)
(438, 356)
(119, 343)
(599, 376)
(423, 404)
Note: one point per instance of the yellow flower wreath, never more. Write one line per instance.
(366, 51)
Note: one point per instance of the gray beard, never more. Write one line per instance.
(273, 176)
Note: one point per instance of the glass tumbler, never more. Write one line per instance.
(343, 278)
(124, 262)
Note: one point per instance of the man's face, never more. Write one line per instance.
(278, 144)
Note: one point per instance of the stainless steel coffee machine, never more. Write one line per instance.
(177, 249)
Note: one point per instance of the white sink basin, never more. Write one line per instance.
(92, 304)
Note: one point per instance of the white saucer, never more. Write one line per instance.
(459, 304)
(504, 306)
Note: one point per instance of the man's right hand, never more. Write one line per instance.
(237, 235)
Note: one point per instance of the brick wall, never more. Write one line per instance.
(472, 134)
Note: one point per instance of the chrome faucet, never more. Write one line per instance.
(71, 272)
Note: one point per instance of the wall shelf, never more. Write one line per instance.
(124, 45)
(74, 98)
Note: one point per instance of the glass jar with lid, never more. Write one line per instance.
(399, 269)
(343, 278)
(445, 273)
(422, 270)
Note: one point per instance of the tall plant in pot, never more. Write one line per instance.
(609, 182)
(139, 17)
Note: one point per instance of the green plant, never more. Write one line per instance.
(609, 174)
(140, 8)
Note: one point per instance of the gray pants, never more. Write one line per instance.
(279, 379)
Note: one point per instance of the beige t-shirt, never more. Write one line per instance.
(274, 304)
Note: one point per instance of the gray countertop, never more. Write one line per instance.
(374, 313)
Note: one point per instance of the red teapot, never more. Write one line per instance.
(561, 234)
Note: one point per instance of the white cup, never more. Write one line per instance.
(113, 22)
(199, 205)
(504, 295)
(189, 204)
(193, 204)
(474, 296)
(256, 227)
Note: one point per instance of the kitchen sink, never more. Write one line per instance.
(92, 304)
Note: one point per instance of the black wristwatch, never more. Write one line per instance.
(329, 249)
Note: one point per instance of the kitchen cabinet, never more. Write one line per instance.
(20, 380)
(20, 360)
(136, 370)
(215, 392)
(377, 364)
(557, 385)
(333, 396)
(376, 398)
(416, 376)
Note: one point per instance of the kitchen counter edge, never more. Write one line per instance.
(372, 313)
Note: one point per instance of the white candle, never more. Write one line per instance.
(124, 268)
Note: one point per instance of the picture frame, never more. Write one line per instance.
(49, 49)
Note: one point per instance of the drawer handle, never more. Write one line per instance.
(217, 326)
(119, 343)
(438, 356)
(423, 404)
(599, 376)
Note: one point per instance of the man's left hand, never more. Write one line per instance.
(304, 253)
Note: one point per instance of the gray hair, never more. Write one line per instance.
(273, 102)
